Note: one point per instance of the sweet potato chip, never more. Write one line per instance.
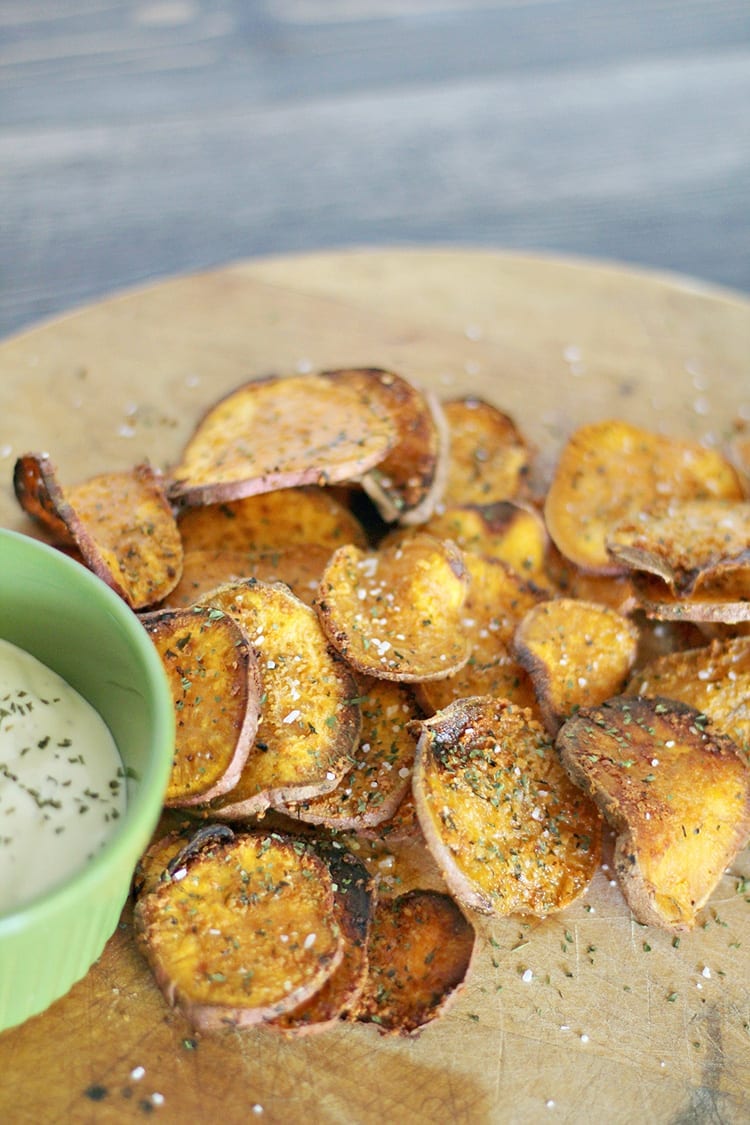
(299, 567)
(714, 678)
(686, 543)
(353, 906)
(380, 774)
(608, 470)
(310, 719)
(505, 530)
(216, 688)
(419, 954)
(738, 452)
(244, 932)
(120, 522)
(405, 485)
(496, 602)
(281, 433)
(613, 590)
(577, 654)
(509, 830)
(723, 599)
(271, 521)
(395, 614)
(676, 793)
(489, 458)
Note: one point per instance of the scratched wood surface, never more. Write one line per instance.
(141, 138)
(616, 1022)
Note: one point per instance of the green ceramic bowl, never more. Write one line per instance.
(71, 621)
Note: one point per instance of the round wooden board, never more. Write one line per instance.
(617, 1022)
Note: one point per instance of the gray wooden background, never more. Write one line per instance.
(146, 138)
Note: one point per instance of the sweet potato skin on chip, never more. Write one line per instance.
(508, 829)
(419, 954)
(310, 718)
(211, 931)
(279, 432)
(120, 522)
(216, 688)
(677, 794)
(395, 614)
(577, 653)
(609, 469)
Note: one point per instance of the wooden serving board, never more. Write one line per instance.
(618, 1023)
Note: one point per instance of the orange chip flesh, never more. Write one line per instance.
(216, 689)
(310, 719)
(489, 458)
(281, 433)
(609, 469)
(271, 521)
(120, 522)
(505, 530)
(419, 954)
(568, 580)
(686, 543)
(353, 908)
(714, 678)
(676, 792)
(395, 614)
(508, 829)
(299, 567)
(380, 773)
(409, 480)
(577, 653)
(496, 602)
(211, 931)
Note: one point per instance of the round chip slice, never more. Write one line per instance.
(396, 614)
(216, 688)
(489, 457)
(212, 932)
(509, 830)
(281, 433)
(610, 469)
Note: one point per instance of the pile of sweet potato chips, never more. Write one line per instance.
(378, 630)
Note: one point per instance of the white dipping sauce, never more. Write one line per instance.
(62, 782)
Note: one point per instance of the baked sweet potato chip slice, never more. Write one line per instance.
(724, 599)
(489, 457)
(299, 567)
(508, 829)
(271, 521)
(216, 688)
(569, 581)
(381, 768)
(686, 543)
(310, 719)
(281, 432)
(243, 932)
(353, 906)
(497, 601)
(505, 530)
(409, 480)
(577, 653)
(120, 522)
(608, 470)
(395, 614)
(714, 678)
(419, 955)
(676, 793)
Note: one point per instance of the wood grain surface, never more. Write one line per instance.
(584, 1017)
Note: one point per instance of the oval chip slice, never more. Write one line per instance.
(120, 522)
(396, 613)
(489, 457)
(216, 689)
(577, 653)
(509, 830)
(212, 933)
(281, 432)
(419, 954)
(310, 718)
(608, 470)
(410, 479)
(676, 793)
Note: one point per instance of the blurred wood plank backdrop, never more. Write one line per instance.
(148, 138)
